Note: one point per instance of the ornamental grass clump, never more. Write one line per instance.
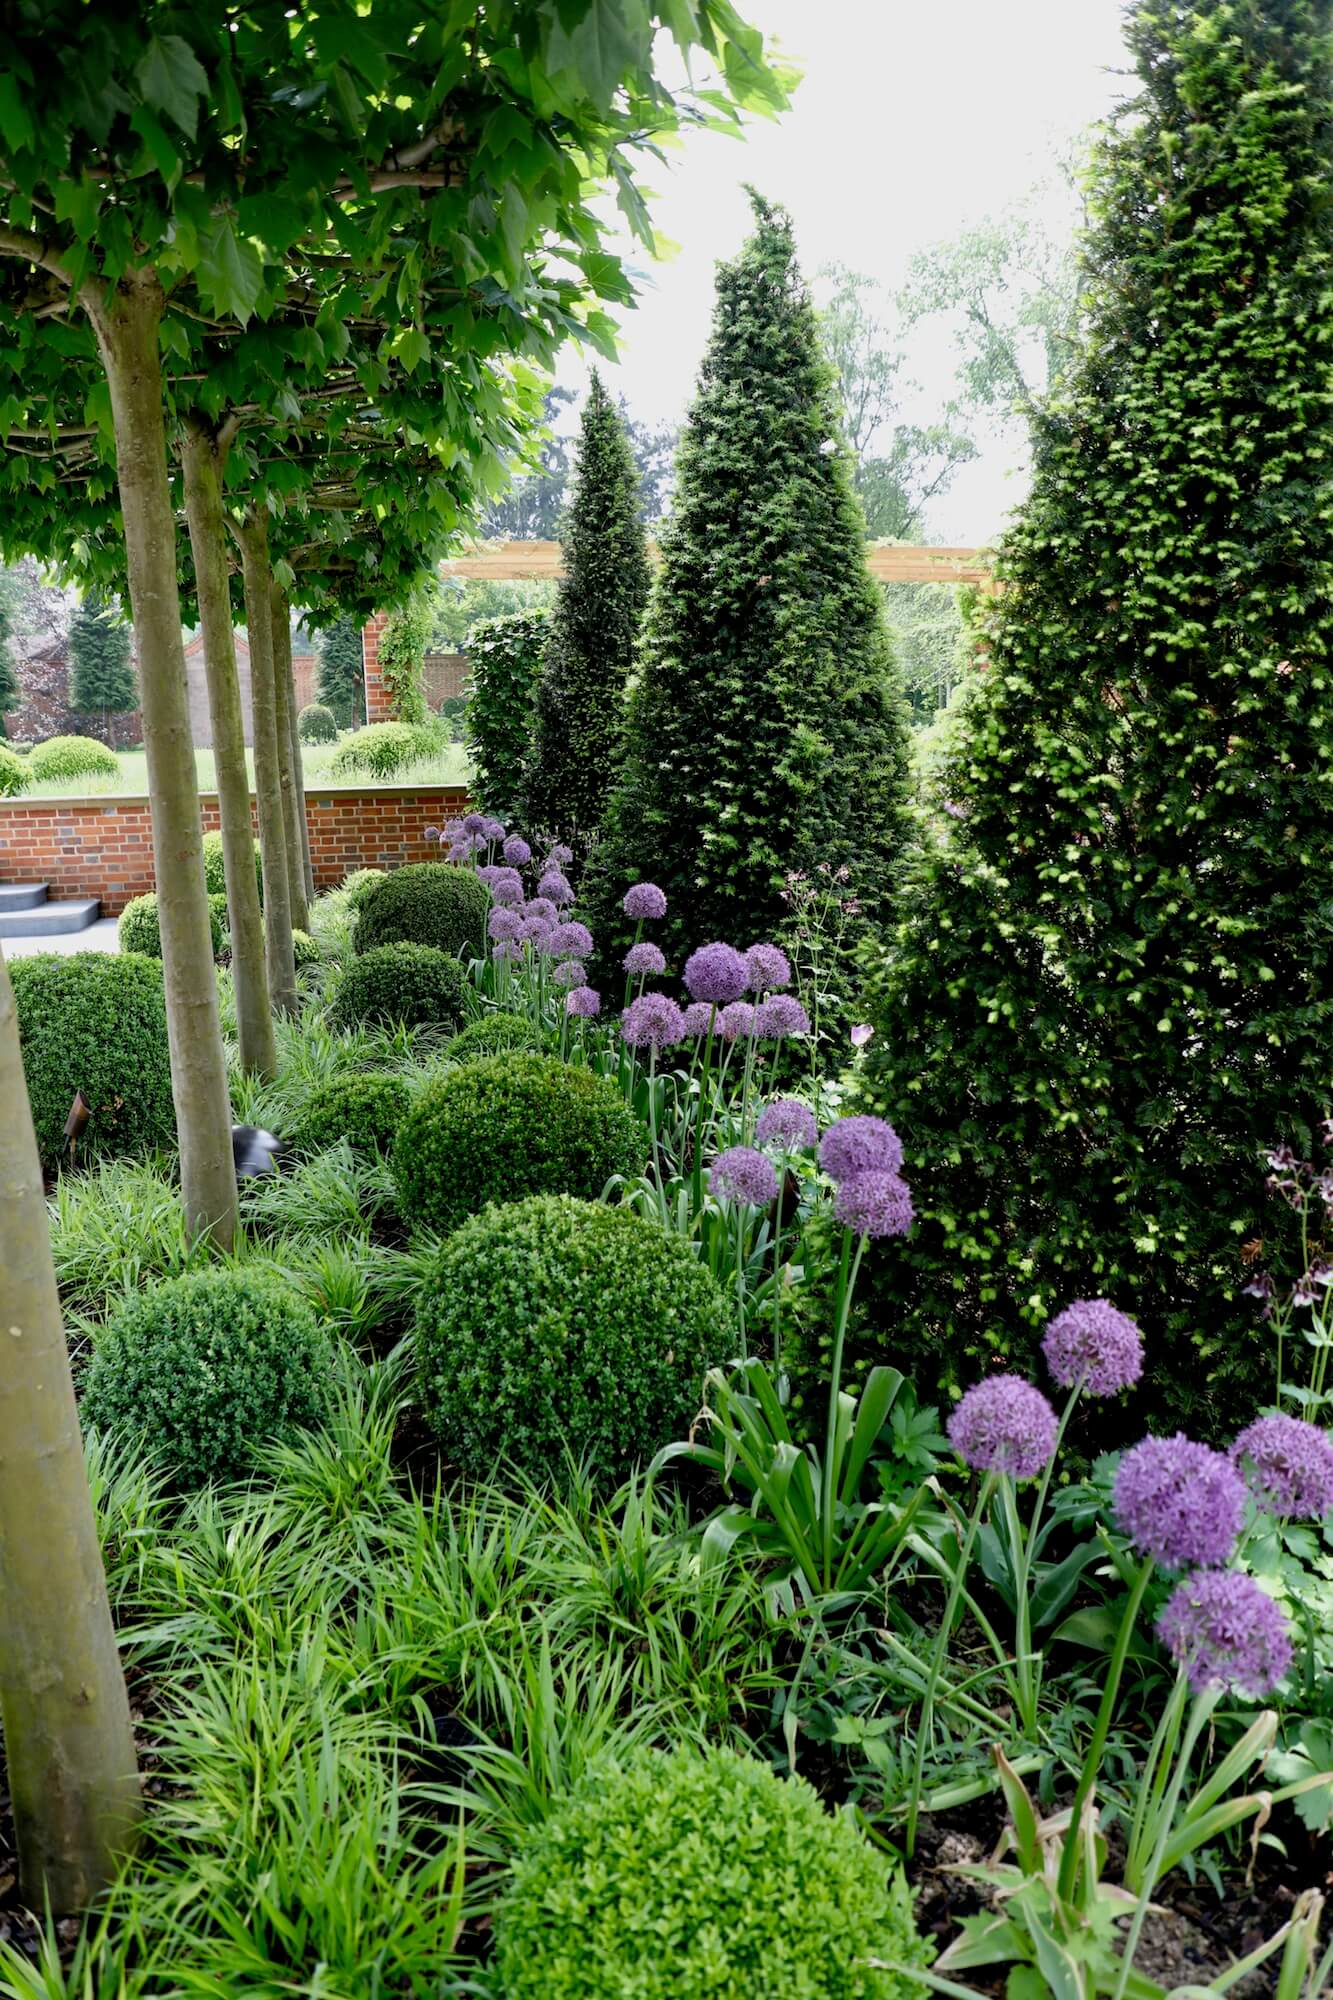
(429, 902)
(554, 1329)
(409, 983)
(700, 1875)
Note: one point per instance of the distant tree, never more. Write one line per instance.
(9, 685)
(101, 667)
(653, 447)
(340, 676)
(462, 602)
(530, 511)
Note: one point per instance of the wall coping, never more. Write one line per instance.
(107, 800)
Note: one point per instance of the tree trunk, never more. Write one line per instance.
(127, 331)
(289, 762)
(69, 1745)
(253, 538)
(203, 459)
(282, 648)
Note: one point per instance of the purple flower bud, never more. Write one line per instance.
(736, 1021)
(570, 972)
(742, 1174)
(1226, 1631)
(473, 822)
(1093, 1343)
(715, 972)
(1004, 1425)
(645, 899)
(698, 1018)
(878, 1203)
(643, 961)
(652, 1021)
(583, 1002)
(554, 887)
(767, 967)
(507, 950)
(1289, 1464)
(503, 923)
(780, 1016)
(860, 1145)
(560, 856)
(1179, 1502)
(786, 1122)
(516, 851)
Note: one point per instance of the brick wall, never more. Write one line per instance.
(378, 706)
(104, 847)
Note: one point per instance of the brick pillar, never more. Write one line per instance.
(378, 706)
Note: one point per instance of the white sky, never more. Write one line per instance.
(914, 119)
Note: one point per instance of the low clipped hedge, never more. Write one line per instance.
(554, 1326)
(509, 1126)
(95, 1022)
(72, 757)
(492, 1035)
(317, 724)
(382, 749)
(209, 1367)
(701, 1875)
(14, 774)
(366, 1109)
(139, 927)
(410, 983)
(215, 876)
(428, 902)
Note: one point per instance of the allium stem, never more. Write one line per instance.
(1024, 1548)
(848, 1266)
(1199, 1718)
(937, 1657)
(704, 1082)
(740, 1278)
(777, 1272)
(1092, 1761)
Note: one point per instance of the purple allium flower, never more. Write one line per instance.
(652, 1021)
(1289, 1464)
(861, 1034)
(492, 830)
(583, 1002)
(473, 822)
(542, 906)
(779, 1016)
(645, 899)
(506, 886)
(878, 1203)
(742, 1174)
(735, 1021)
(571, 940)
(767, 967)
(554, 887)
(503, 923)
(516, 851)
(560, 856)
(860, 1145)
(1179, 1502)
(786, 1122)
(1003, 1425)
(459, 853)
(488, 874)
(432, 833)
(570, 972)
(644, 960)
(1092, 1342)
(1224, 1629)
(536, 927)
(698, 1018)
(507, 950)
(715, 972)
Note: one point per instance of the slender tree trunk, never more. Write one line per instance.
(253, 538)
(289, 762)
(127, 331)
(69, 1745)
(282, 646)
(203, 459)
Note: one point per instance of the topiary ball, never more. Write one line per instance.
(510, 1126)
(215, 876)
(429, 902)
(139, 928)
(383, 749)
(98, 1023)
(400, 982)
(72, 757)
(14, 774)
(366, 1109)
(359, 883)
(701, 1875)
(317, 724)
(492, 1035)
(209, 1367)
(304, 949)
(554, 1325)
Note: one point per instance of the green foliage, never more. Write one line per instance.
(429, 902)
(511, 1125)
(138, 928)
(554, 1326)
(9, 683)
(116, 1230)
(1113, 990)
(505, 661)
(304, 949)
(767, 718)
(72, 757)
(462, 602)
(359, 883)
(591, 637)
(340, 680)
(317, 724)
(383, 749)
(215, 877)
(491, 1035)
(101, 674)
(95, 1022)
(411, 983)
(701, 1876)
(365, 1110)
(402, 658)
(15, 776)
(209, 1367)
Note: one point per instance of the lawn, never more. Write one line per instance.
(449, 767)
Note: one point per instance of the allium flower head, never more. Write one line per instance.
(1226, 1631)
(536, 927)
(716, 972)
(1003, 1425)
(459, 852)
(645, 899)
(1289, 1464)
(542, 906)
(698, 1018)
(767, 967)
(571, 940)
(560, 856)
(1092, 1342)
(570, 972)
(516, 851)
(644, 961)
(1179, 1502)
(507, 950)
(583, 1002)
(489, 873)
(502, 923)
(878, 1203)
(779, 1016)
(786, 1122)
(492, 830)
(555, 888)
(860, 1145)
(473, 822)
(506, 886)
(735, 1021)
(742, 1174)
(652, 1021)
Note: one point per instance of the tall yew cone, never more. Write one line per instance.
(69, 1746)
(1117, 989)
(252, 535)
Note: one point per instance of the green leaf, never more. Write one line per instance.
(79, 202)
(161, 150)
(230, 273)
(411, 347)
(173, 80)
(15, 118)
(613, 36)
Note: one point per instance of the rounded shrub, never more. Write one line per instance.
(139, 929)
(357, 886)
(72, 757)
(429, 902)
(317, 724)
(97, 1023)
(492, 1035)
(14, 774)
(701, 1875)
(552, 1325)
(210, 1366)
(410, 983)
(364, 1108)
(382, 749)
(509, 1126)
(304, 949)
(215, 877)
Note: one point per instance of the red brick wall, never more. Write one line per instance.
(378, 706)
(104, 847)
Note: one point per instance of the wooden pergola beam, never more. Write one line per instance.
(890, 562)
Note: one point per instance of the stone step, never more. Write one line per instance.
(51, 919)
(21, 896)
